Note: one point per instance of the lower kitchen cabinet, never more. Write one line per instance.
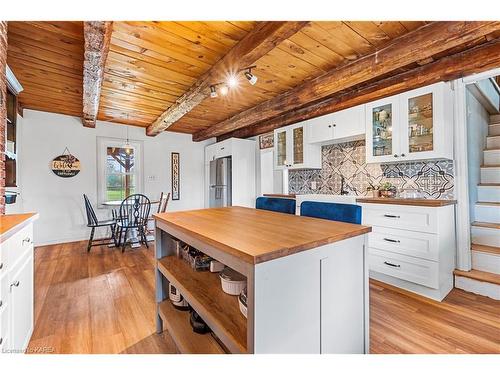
(420, 259)
(16, 290)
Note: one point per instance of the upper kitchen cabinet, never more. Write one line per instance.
(415, 125)
(339, 126)
(293, 149)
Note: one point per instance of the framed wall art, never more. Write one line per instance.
(176, 172)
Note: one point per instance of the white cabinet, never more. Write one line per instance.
(339, 126)
(16, 290)
(218, 150)
(412, 247)
(415, 125)
(293, 150)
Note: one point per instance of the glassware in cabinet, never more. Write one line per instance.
(420, 123)
(281, 148)
(298, 145)
(382, 134)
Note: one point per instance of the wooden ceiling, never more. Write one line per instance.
(150, 65)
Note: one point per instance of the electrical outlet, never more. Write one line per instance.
(313, 185)
(152, 178)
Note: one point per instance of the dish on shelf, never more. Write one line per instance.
(232, 282)
(176, 298)
(242, 301)
(197, 323)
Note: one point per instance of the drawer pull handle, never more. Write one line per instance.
(392, 216)
(1, 303)
(1, 265)
(392, 264)
(1, 340)
(391, 240)
(27, 239)
(15, 283)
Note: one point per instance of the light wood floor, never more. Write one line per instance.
(103, 302)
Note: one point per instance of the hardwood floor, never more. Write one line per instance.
(103, 302)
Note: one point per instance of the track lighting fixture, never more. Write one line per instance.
(232, 81)
(213, 92)
(252, 79)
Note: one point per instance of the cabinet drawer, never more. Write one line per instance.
(17, 246)
(4, 290)
(415, 244)
(422, 219)
(419, 271)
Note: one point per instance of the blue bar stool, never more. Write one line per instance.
(349, 213)
(284, 205)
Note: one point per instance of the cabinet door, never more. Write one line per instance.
(423, 123)
(321, 129)
(21, 304)
(382, 131)
(280, 148)
(297, 146)
(349, 122)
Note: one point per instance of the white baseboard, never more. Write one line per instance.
(478, 287)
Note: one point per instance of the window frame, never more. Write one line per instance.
(102, 145)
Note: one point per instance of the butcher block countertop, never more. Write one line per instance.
(408, 202)
(257, 236)
(11, 224)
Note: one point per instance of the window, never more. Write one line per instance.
(119, 169)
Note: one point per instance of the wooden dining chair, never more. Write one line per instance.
(133, 215)
(93, 222)
(162, 207)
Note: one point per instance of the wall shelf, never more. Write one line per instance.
(187, 341)
(203, 292)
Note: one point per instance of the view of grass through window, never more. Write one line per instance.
(120, 173)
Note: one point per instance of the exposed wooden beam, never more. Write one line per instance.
(97, 37)
(475, 60)
(257, 43)
(414, 46)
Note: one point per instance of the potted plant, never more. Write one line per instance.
(387, 190)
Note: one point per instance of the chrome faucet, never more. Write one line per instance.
(342, 183)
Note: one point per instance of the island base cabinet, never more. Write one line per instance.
(314, 301)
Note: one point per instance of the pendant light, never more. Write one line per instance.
(128, 148)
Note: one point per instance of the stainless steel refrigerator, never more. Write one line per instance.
(220, 182)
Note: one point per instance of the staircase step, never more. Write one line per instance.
(491, 156)
(490, 175)
(486, 225)
(487, 277)
(487, 211)
(494, 118)
(494, 129)
(488, 193)
(485, 261)
(486, 249)
(493, 141)
(485, 236)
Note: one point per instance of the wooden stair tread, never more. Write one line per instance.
(187, 341)
(489, 184)
(487, 277)
(203, 291)
(492, 149)
(485, 224)
(488, 203)
(490, 165)
(485, 248)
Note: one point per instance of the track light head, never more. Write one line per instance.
(232, 81)
(213, 92)
(252, 79)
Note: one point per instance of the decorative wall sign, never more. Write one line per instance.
(65, 165)
(266, 141)
(176, 167)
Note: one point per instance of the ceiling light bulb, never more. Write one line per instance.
(232, 81)
(213, 92)
(224, 90)
(252, 79)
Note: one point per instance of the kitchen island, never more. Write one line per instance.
(307, 282)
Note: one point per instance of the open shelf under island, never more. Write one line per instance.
(307, 282)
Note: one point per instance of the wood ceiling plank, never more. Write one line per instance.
(68, 29)
(45, 77)
(428, 40)
(131, 98)
(245, 25)
(228, 28)
(29, 66)
(138, 113)
(412, 25)
(475, 60)
(211, 32)
(176, 54)
(127, 84)
(343, 33)
(97, 37)
(51, 108)
(13, 57)
(254, 45)
(391, 28)
(54, 85)
(368, 30)
(137, 91)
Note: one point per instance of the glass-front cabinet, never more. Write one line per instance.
(292, 149)
(411, 126)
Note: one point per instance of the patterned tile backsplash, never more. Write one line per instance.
(433, 178)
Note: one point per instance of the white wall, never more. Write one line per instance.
(477, 130)
(59, 201)
(267, 179)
